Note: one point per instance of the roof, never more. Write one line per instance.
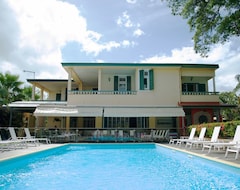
(184, 65)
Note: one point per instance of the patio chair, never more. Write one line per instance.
(181, 140)
(6, 144)
(235, 141)
(162, 135)
(214, 138)
(200, 138)
(28, 136)
(234, 149)
(11, 144)
(149, 137)
(21, 139)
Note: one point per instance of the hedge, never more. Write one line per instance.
(227, 128)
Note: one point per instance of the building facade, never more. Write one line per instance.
(126, 96)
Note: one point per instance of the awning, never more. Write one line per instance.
(71, 111)
(143, 112)
(67, 111)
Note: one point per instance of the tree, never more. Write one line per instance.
(27, 93)
(230, 98)
(10, 88)
(212, 21)
(237, 77)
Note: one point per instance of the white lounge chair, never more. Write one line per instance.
(235, 141)
(28, 136)
(234, 149)
(214, 137)
(21, 139)
(181, 140)
(162, 135)
(6, 144)
(149, 136)
(200, 138)
(11, 144)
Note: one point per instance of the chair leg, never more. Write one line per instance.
(236, 157)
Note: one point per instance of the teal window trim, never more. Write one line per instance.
(141, 79)
(151, 80)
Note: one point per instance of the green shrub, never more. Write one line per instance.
(227, 128)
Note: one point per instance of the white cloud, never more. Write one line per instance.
(34, 33)
(227, 60)
(125, 21)
(131, 1)
(138, 32)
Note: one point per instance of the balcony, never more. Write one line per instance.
(101, 92)
(200, 93)
(200, 97)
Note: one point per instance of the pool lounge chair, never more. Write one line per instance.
(149, 137)
(181, 140)
(162, 135)
(200, 138)
(234, 149)
(235, 141)
(21, 139)
(214, 138)
(28, 136)
(11, 144)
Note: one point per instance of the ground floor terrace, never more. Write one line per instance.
(105, 129)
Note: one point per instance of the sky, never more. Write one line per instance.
(37, 35)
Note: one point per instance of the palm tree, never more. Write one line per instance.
(10, 88)
(237, 77)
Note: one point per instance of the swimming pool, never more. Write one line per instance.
(115, 166)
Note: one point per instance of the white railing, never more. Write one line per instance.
(200, 93)
(107, 92)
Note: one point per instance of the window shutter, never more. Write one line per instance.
(151, 80)
(115, 83)
(128, 83)
(141, 79)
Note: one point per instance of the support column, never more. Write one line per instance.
(67, 124)
(41, 94)
(214, 85)
(33, 92)
(99, 79)
(69, 81)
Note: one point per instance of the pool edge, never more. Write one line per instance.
(201, 156)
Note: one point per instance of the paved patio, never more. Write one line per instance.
(214, 155)
(8, 154)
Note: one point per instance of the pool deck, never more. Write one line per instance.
(8, 154)
(214, 155)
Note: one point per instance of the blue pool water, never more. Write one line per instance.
(115, 166)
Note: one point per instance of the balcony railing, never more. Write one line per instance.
(102, 92)
(200, 93)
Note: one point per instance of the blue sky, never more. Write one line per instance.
(40, 34)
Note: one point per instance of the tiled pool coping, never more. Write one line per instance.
(214, 155)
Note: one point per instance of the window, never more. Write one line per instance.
(193, 87)
(122, 83)
(146, 79)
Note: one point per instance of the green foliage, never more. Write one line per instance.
(10, 88)
(230, 98)
(227, 128)
(237, 77)
(212, 21)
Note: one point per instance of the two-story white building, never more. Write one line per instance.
(126, 96)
